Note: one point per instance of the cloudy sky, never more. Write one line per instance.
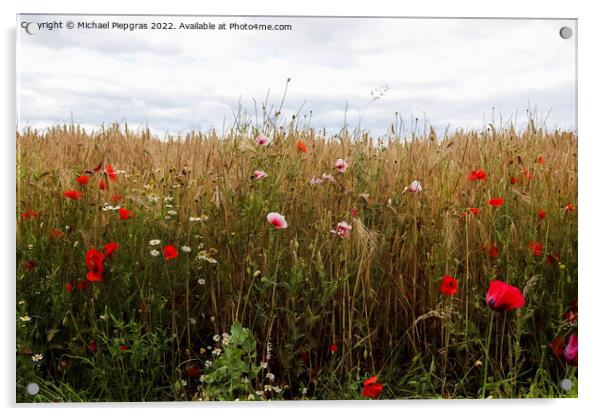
(451, 71)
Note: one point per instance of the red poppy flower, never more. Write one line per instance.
(82, 285)
(540, 160)
(192, 373)
(570, 350)
(475, 211)
(355, 212)
(570, 207)
(116, 198)
(143, 308)
(513, 180)
(502, 297)
(536, 248)
(332, 348)
(541, 214)
(372, 389)
(496, 202)
(95, 263)
(528, 176)
(92, 346)
(82, 180)
(30, 213)
(30, 265)
(125, 214)
(449, 285)
(493, 251)
(98, 168)
(110, 248)
(557, 346)
(73, 194)
(102, 185)
(552, 258)
(301, 146)
(111, 173)
(571, 314)
(170, 252)
(54, 233)
(123, 348)
(477, 175)
(69, 287)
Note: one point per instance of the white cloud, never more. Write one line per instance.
(454, 70)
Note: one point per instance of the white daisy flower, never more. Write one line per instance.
(25, 318)
(186, 249)
(154, 242)
(154, 253)
(37, 358)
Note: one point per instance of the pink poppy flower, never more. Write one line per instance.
(277, 220)
(262, 140)
(343, 229)
(341, 165)
(315, 181)
(329, 178)
(415, 187)
(259, 174)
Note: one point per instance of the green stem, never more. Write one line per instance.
(487, 355)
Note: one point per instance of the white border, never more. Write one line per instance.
(590, 34)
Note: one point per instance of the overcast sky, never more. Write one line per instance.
(452, 70)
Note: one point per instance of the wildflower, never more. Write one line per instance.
(25, 318)
(55, 233)
(332, 348)
(198, 219)
(536, 248)
(92, 345)
(110, 248)
(493, 251)
(570, 351)
(513, 180)
(186, 249)
(528, 176)
(315, 181)
(125, 214)
(557, 346)
(277, 220)
(475, 211)
(355, 212)
(569, 207)
(95, 264)
(541, 214)
(216, 337)
(449, 286)
(343, 229)
(111, 173)
(123, 348)
(571, 314)
(201, 282)
(301, 146)
(154, 242)
(30, 214)
(192, 372)
(502, 297)
(155, 253)
(326, 177)
(170, 252)
(217, 352)
(540, 160)
(172, 212)
(477, 175)
(341, 165)
(262, 140)
(102, 185)
(270, 376)
(372, 389)
(82, 285)
(263, 365)
(415, 187)
(36, 358)
(82, 180)
(259, 174)
(69, 287)
(73, 194)
(496, 202)
(116, 198)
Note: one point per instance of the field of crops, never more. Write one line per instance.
(278, 264)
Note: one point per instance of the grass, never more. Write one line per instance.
(321, 313)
